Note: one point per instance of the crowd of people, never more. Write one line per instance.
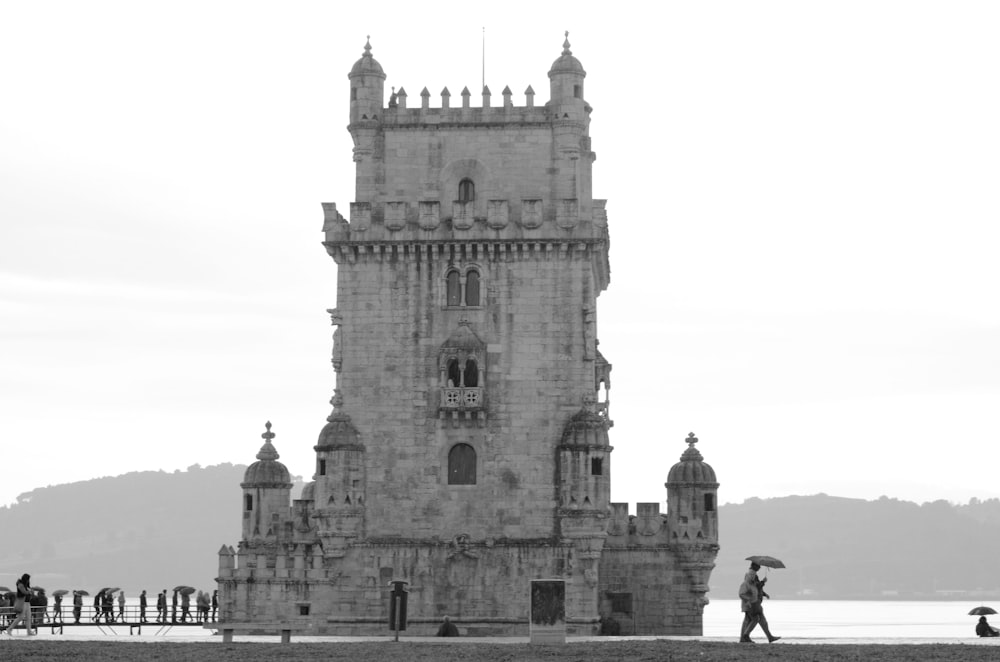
(28, 606)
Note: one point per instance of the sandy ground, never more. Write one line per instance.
(660, 650)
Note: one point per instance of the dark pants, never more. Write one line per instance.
(751, 619)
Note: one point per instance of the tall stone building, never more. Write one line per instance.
(467, 452)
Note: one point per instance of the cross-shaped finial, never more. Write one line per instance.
(692, 440)
(267, 436)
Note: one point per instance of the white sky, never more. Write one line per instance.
(802, 198)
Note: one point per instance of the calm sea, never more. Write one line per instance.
(874, 619)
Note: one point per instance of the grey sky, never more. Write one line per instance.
(802, 204)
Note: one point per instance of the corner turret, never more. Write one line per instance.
(367, 87)
(267, 489)
(566, 86)
(692, 498)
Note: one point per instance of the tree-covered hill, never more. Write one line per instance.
(143, 530)
(154, 530)
(852, 548)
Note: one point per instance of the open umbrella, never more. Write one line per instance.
(113, 590)
(181, 587)
(982, 611)
(187, 590)
(4, 589)
(38, 589)
(766, 561)
(59, 592)
(80, 592)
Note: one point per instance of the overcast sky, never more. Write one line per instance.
(802, 198)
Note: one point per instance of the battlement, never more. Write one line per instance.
(650, 528)
(429, 220)
(399, 115)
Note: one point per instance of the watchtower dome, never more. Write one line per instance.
(267, 489)
(692, 496)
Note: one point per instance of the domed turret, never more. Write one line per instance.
(367, 64)
(586, 428)
(267, 471)
(692, 493)
(584, 457)
(692, 470)
(567, 63)
(566, 86)
(367, 87)
(267, 488)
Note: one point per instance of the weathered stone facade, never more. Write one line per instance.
(467, 452)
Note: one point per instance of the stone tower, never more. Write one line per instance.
(467, 451)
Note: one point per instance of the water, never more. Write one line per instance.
(876, 619)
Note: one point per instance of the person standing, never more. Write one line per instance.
(22, 606)
(215, 603)
(121, 606)
(142, 607)
(161, 607)
(77, 606)
(57, 609)
(185, 606)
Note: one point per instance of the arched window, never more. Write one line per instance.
(472, 288)
(454, 374)
(471, 373)
(709, 503)
(454, 290)
(248, 502)
(462, 465)
(466, 190)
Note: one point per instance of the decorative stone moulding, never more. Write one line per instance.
(430, 215)
(567, 214)
(395, 215)
(497, 214)
(531, 214)
(463, 214)
(361, 216)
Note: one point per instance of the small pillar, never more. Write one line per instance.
(507, 104)
(529, 97)
(465, 97)
(445, 98)
(486, 96)
(425, 99)
(401, 98)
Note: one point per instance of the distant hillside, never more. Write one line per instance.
(154, 530)
(851, 548)
(144, 530)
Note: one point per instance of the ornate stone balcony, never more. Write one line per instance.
(462, 404)
(461, 398)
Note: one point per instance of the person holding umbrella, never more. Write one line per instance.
(983, 628)
(77, 605)
(752, 598)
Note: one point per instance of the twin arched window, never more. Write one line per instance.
(454, 284)
(457, 377)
